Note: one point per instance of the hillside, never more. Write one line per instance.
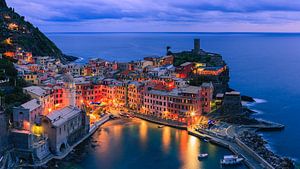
(17, 33)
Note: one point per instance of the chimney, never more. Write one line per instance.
(196, 46)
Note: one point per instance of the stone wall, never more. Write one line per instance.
(255, 155)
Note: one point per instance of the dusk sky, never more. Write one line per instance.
(161, 16)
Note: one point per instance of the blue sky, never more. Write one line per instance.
(161, 15)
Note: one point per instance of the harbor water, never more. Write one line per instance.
(135, 144)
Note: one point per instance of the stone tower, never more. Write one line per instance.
(197, 46)
(70, 90)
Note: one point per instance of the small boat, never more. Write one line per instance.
(1, 158)
(231, 160)
(94, 145)
(160, 126)
(206, 140)
(201, 156)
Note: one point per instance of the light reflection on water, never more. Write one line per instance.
(143, 133)
(139, 144)
(166, 139)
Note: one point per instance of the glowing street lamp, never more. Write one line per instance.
(193, 113)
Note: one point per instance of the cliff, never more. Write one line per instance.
(3, 4)
(16, 33)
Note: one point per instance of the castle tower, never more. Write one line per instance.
(197, 46)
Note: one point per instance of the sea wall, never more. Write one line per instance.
(255, 155)
(161, 121)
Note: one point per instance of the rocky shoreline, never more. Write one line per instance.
(258, 144)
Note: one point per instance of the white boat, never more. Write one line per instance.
(1, 158)
(231, 160)
(206, 140)
(201, 156)
(160, 126)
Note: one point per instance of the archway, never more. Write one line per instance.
(62, 147)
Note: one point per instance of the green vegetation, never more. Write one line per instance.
(2, 4)
(12, 90)
(198, 80)
(186, 56)
(25, 36)
(183, 57)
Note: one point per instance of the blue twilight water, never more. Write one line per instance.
(263, 65)
(139, 144)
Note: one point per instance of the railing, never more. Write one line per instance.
(254, 154)
(161, 121)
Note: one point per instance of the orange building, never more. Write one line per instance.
(210, 71)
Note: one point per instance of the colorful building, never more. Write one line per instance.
(184, 70)
(183, 105)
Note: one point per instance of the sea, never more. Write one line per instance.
(265, 66)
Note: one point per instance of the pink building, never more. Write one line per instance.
(180, 104)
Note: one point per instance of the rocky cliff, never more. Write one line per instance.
(17, 33)
(3, 4)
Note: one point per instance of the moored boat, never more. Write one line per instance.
(202, 155)
(160, 126)
(231, 160)
(206, 140)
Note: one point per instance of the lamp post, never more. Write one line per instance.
(192, 118)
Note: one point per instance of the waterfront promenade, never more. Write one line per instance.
(250, 159)
(161, 121)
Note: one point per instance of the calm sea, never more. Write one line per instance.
(263, 65)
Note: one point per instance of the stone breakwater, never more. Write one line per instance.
(257, 144)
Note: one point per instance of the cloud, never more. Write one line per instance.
(175, 13)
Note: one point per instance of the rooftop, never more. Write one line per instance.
(186, 63)
(167, 56)
(207, 85)
(177, 91)
(31, 105)
(59, 117)
(39, 91)
(233, 93)
(190, 89)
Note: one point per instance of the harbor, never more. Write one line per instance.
(228, 138)
(187, 96)
(141, 144)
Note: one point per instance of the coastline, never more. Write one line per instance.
(232, 142)
(183, 127)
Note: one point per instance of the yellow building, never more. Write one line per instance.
(32, 78)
